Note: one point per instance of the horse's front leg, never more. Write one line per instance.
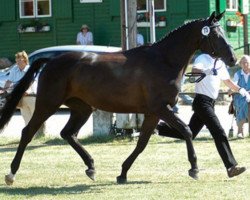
(147, 128)
(174, 121)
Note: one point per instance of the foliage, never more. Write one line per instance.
(237, 17)
(36, 23)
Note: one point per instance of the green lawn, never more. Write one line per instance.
(51, 169)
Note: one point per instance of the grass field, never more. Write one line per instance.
(51, 169)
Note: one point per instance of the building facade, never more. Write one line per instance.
(33, 24)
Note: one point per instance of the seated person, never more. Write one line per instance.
(27, 103)
(139, 39)
(84, 37)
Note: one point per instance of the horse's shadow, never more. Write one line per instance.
(13, 149)
(54, 190)
(45, 190)
(88, 141)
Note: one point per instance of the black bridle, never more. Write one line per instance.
(195, 77)
(206, 37)
(210, 43)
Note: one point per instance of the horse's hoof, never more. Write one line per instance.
(9, 180)
(90, 173)
(193, 173)
(121, 180)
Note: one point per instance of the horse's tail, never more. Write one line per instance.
(14, 97)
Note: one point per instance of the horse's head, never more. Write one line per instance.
(213, 40)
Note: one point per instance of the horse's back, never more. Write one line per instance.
(105, 80)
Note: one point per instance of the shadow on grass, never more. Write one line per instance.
(106, 140)
(55, 190)
(84, 141)
(136, 183)
(120, 140)
(126, 140)
(33, 191)
(10, 143)
(11, 149)
(174, 140)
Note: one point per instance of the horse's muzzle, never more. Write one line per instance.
(232, 61)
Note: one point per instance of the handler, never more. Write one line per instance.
(207, 91)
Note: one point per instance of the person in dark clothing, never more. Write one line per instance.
(207, 91)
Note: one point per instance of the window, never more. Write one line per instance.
(160, 5)
(34, 8)
(232, 5)
(142, 5)
(90, 1)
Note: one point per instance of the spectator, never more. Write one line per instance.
(84, 37)
(207, 91)
(139, 39)
(241, 77)
(27, 103)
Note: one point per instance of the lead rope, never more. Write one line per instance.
(214, 69)
(192, 76)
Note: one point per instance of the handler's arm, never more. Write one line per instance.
(229, 83)
(195, 70)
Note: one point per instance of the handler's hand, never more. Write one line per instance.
(248, 97)
(243, 92)
(208, 72)
(2, 91)
(230, 92)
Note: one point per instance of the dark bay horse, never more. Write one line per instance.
(141, 80)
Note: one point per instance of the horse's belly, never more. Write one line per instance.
(118, 104)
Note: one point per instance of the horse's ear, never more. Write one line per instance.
(218, 17)
(211, 18)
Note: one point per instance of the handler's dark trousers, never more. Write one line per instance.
(204, 114)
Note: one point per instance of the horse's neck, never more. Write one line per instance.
(179, 47)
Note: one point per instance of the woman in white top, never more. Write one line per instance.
(84, 37)
(207, 91)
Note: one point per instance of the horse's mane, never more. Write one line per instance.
(165, 37)
(140, 48)
(143, 46)
(184, 26)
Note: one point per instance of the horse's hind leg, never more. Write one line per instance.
(78, 117)
(148, 127)
(174, 121)
(27, 134)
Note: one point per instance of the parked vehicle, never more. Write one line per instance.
(51, 52)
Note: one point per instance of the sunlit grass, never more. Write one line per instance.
(51, 169)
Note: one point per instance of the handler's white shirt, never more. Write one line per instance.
(210, 85)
